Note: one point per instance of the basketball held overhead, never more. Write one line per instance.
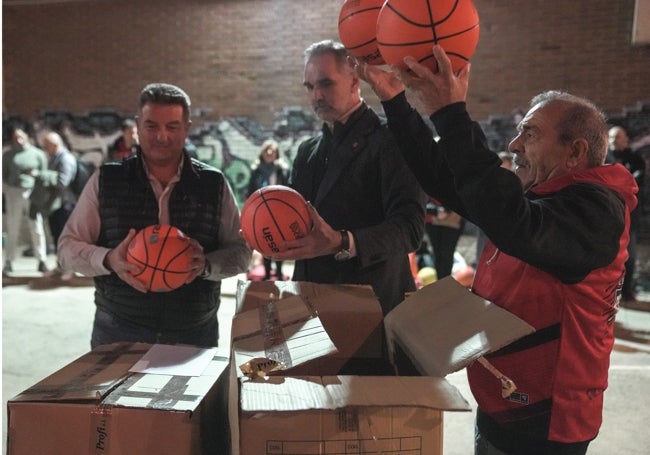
(378, 32)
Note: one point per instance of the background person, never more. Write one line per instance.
(126, 144)
(443, 227)
(558, 233)
(20, 164)
(620, 152)
(62, 168)
(52, 196)
(160, 184)
(269, 169)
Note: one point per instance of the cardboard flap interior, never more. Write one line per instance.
(443, 327)
(351, 314)
(286, 331)
(279, 393)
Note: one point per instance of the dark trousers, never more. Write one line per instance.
(267, 269)
(109, 329)
(57, 220)
(516, 443)
(443, 242)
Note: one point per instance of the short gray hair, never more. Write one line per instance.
(325, 47)
(581, 119)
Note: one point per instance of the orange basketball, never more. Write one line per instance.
(162, 253)
(273, 214)
(358, 28)
(412, 27)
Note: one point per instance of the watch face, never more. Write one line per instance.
(342, 255)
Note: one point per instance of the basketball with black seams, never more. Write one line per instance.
(273, 214)
(162, 252)
(412, 27)
(358, 29)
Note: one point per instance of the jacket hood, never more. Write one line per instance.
(613, 176)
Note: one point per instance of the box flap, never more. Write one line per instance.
(443, 327)
(250, 294)
(351, 315)
(336, 392)
(286, 331)
(102, 377)
(90, 377)
(168, 392)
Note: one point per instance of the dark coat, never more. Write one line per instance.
(367, 189)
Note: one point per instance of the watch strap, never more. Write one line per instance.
(345, 240)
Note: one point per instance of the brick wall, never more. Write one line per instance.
(244, 57)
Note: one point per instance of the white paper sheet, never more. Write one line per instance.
(174, 360)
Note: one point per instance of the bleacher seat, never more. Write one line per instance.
(105, 121)
(55, 119)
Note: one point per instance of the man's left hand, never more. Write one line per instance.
(433, 91)
(321, 241)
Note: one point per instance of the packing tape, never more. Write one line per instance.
(100, 430)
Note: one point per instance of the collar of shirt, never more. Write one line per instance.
(345, 117)
(163, 193)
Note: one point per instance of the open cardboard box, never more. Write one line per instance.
(344, 414)
(350, 314)
(439, 329)
(95, 405)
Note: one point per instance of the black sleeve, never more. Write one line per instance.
(567, 234)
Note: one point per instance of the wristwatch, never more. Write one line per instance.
(344, 253)
(207, 270)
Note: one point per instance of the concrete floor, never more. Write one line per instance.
(44, 330)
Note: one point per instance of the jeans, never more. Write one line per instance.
(110, 329)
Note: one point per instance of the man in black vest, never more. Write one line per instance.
(160, 184)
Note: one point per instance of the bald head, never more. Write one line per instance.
(618, 139)
(52, 142)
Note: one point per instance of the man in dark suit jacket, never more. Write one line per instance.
(367, 207)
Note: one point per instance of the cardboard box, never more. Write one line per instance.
(95, 405)
(350, 314)
(444, 327)
(285, 332)
(345, 415)
(439, 329)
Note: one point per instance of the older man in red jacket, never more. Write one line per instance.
(558, 229)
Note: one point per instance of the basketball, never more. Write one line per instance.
(162, 253)
(273, 214)
(358, 29)
(412, 27)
